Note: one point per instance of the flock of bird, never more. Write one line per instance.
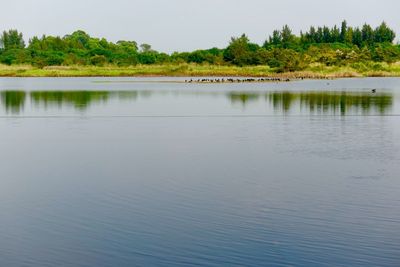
(236, 80)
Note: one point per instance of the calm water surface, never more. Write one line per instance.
(152, 172)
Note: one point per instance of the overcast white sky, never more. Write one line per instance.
(182, 25)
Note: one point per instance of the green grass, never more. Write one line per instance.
(363, 69)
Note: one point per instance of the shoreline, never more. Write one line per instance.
(196, 71)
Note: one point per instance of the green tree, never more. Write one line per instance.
(78, 39)
(335, 34)
(284, 60)
(12, 39)
(128, 46)
(238, 52)
(276, 38)
(384, 34)
(145, 48)
(312, 35)
(386, 53)
(357, 37)
(343, 31)
(348, 39)
(326, 35)
(98, 60)
(288, 38)
(367, 35)
(147, 58)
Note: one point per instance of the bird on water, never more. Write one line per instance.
(373, 91)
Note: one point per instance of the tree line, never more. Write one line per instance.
(283, 50)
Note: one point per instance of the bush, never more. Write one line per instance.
(98, 60)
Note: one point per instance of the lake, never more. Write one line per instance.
(156, 172)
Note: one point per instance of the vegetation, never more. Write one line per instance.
(315, 71)
(321, 50)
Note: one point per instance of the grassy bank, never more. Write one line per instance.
(314, 71)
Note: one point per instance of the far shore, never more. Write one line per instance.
(188, 70)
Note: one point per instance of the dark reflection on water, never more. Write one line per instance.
(321, 102)
(13, 101)
(79, 99)
(324, 102)
(315, 102)
(243, 98)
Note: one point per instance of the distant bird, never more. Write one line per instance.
(373, 91)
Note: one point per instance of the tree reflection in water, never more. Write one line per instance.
(321, 102)
(13, 101)
(314, 102)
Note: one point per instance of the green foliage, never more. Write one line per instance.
(98, 60)
(145, 48)
(366, 36)
(385, 53)
(148, 57)
(210, 56)
(241, 52)
(285, 60)
(288, 39)
(14, 56)
(383, 34)
(12, 39)
(283, 51)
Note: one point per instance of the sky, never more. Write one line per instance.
(186, 25)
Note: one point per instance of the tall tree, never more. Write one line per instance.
(384, 34)
(238, 52)
(357, 37)
(343, 31)
(312, 35)
(326, 35)
(275, 39)
(320, 35)
(12, 39)
(348, 39)
(335, 34)
(367, 34)
(288, 37)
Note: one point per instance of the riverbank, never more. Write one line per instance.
(316, 71)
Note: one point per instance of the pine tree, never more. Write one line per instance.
(367, 35)
(287, 37)
(343, 31)
(357, 37)
(384, 34)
